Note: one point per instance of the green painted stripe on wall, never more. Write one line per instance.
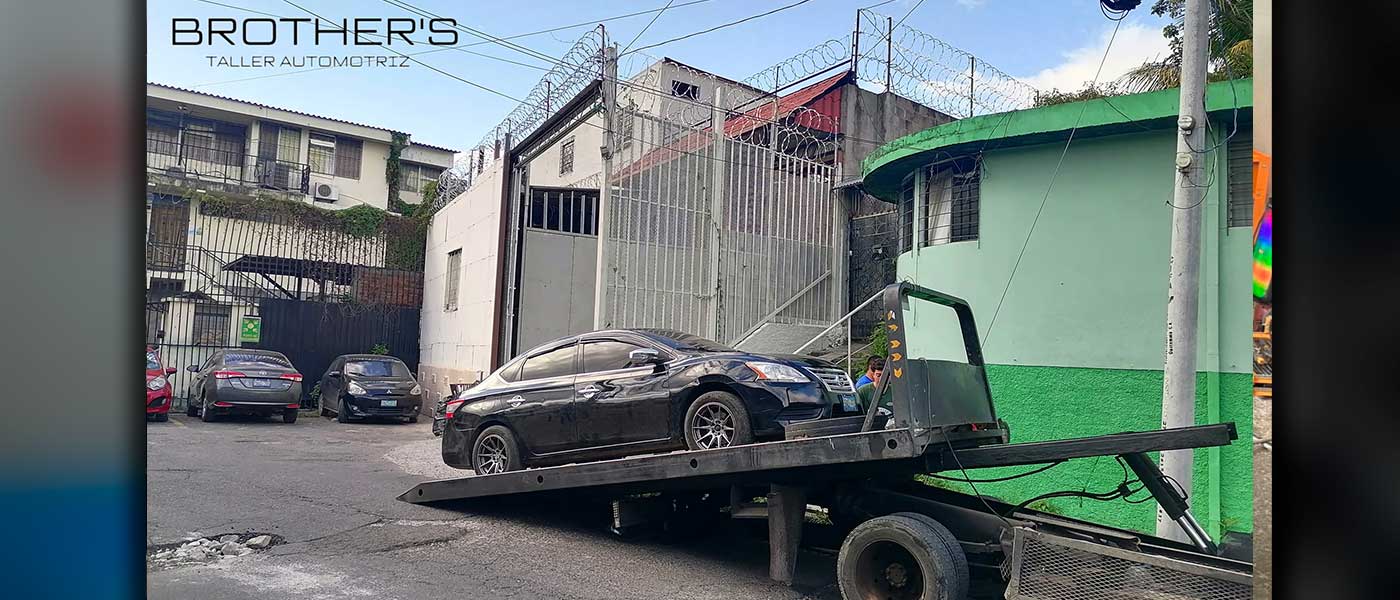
(1049, 403)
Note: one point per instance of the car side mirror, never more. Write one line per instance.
(333, 374)
(192, 368)
(646, 356)
(170, 370)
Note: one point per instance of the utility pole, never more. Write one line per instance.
(1183, 295)
(605, 200)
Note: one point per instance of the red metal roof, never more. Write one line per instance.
(824, 118)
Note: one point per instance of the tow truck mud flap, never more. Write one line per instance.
(1050, 567)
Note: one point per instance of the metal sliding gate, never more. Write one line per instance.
(719, 214)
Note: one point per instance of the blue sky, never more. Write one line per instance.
(1047, 43)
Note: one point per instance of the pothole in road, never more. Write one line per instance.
(210, 548)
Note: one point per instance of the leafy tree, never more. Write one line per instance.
(1231, 53)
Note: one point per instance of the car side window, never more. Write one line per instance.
(511, 373)
(555, 363)
(607, 355)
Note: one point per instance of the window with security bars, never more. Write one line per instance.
(950, 204)
(566, 156)
(566, 210)
(1240, 161)
(211, 324)
(906, 215)
(321, 154)
(454, 277)
(413, 177)
(347, 157)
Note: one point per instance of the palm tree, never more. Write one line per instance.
(1231, 54)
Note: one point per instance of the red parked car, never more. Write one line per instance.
(157, 387)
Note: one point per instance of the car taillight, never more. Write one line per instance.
(228, 374)
(452, 406)
(291, 376)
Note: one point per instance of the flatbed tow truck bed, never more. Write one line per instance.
(915, 541)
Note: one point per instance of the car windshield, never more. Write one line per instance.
(686, 341)
(376, 368)
(152, 363)
(252, 359)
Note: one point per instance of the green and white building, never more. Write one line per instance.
(1063, 255)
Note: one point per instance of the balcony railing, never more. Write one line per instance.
(189, 160)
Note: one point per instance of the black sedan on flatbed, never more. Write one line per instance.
(245, 381)
(615, 393)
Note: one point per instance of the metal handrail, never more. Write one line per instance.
(846, 318)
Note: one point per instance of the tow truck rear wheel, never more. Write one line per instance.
(903, 556)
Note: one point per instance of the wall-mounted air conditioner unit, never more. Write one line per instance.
(324, 192)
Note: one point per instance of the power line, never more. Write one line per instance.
(443, 49)
(1049, 187)
(644, 29)
(730, 24)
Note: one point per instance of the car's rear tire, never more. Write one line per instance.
(206, 414)
(160, 417)
(340, 415)
(290, 415)
(717, 420)
(899, 556)
(495, 451)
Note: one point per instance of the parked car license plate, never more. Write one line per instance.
(388, 402)
(259, 383)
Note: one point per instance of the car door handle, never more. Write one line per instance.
(589, 391)
(515, 401)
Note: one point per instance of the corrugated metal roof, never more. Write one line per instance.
(297, 112)
(744, 123)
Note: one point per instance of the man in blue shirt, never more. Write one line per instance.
(873, 366)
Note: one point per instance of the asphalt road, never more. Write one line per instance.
(328, 489)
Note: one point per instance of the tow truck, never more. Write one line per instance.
(908, 540)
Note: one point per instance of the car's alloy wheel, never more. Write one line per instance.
(491, 455)
(712, 426)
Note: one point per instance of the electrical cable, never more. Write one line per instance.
(731, 24)
(999, 479)
(1049, 187)
(648, 26)
(957, 460)
(445, 48)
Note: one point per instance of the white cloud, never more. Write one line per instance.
(971, 3)
(1134, 45)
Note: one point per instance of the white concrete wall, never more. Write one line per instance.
(556, 288)
(588, 158)
(456, 345)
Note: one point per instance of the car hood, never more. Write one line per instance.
(798, 359)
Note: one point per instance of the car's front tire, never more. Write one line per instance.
(160, 417)
(495, 451)
(340, 415)
(717, 420)
(206, 414)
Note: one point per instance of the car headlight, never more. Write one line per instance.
(155, 383)
(354, 388)
(417, 389)
(775, 372)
